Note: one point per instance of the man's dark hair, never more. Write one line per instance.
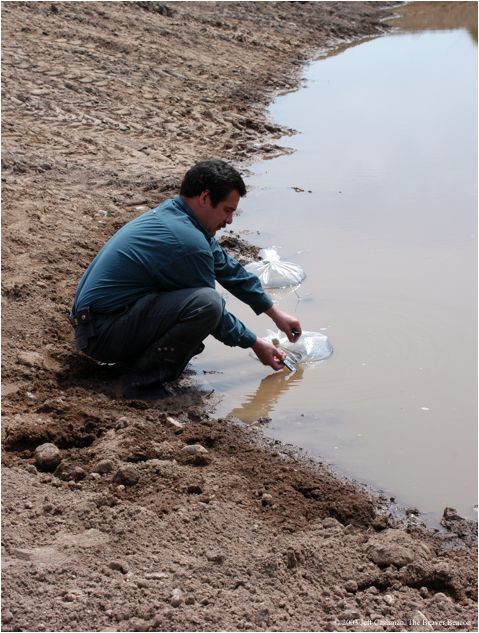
(214, 176)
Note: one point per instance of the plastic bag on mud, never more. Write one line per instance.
(310, 347)
(274, 273)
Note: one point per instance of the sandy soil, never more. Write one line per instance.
(156, 516)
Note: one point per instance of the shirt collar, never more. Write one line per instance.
(184, 207)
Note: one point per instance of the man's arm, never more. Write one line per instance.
(243, 285)
(247, 287)
(285, 322)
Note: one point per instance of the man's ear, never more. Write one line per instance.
(204, 197)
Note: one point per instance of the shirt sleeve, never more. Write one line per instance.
(243, 285)
(233, 332)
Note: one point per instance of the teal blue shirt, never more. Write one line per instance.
(166, 249)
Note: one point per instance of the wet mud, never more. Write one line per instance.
(155, 516)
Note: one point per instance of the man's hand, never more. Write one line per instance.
(268, 354)
(286, 323)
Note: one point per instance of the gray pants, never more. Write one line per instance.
(161, 330)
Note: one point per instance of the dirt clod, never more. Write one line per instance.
(47, 457)
(70, 472)
(104, 466)
(119, 565)
(393, 547)
(126, 476)
(351, 586)
(176, 598)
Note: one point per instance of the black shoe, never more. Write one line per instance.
(145, 392)
(200, 349)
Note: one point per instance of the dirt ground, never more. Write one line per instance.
(158, 517)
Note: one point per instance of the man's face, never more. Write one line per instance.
(218, 217)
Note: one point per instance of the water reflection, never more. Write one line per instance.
(438, 16)
(262, 403)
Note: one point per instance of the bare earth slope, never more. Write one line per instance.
(104, 107)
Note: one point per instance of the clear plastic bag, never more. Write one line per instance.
(310, 347)
(274, 273)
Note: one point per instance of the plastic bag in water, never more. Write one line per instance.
(310, 347)
(274, 273)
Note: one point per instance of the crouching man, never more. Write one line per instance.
(148, 298)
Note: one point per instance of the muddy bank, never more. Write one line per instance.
(128, 526)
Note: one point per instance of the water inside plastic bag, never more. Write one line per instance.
(310, 347)
(274, 273)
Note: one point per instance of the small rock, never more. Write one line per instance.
(349, 529)
(389, 599)
(126, 476)
(119, 565)
(174, 423)
(194, 449)
(30, 396)
(47, 457)
(7, 616)
(372, 590)
(197, 454)
(215, 557)
(380, 523)
(351, 586)
(28, 505)
(104, 466)
(412, 511)
(419, 622)
(30, 359)
(69, 472)
(95, 476)
(122, 423)
(330, 522)
(450, 514)
(394, 547)
(30, 468)
(23, 554)
(190, 600)
(156, 575)
(267, 500)
(142, 584)
(176, 597)
(442, 568)
(424, 592)
(441, 597)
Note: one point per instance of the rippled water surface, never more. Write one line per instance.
(386, 230)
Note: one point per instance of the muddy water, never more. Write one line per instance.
(385, 228)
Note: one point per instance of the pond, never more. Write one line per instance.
(378, 203)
